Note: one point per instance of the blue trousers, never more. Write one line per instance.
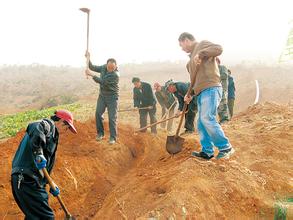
(210, 131)
(111, 103)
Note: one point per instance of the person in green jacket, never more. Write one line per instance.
(167, 103)
(179, 89)
(223, 111)
(231, 94)
(108, 96)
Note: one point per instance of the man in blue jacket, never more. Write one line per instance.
(144, 99)
(36, 151)
(108, 97)
(179, 89)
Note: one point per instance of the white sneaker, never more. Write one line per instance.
(112, 141)
(99, 137)
(225, 154)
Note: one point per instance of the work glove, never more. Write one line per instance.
(55, 192)
(40, 162)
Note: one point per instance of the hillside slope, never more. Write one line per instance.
(137, 179)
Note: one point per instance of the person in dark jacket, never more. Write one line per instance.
(179, 89)
(143, 97)
(108, 97)
(37, 150)
(167, 103)
(231, 94)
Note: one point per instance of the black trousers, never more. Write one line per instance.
(111, 103)
(143, 116)
(31, 199)
(190, 116)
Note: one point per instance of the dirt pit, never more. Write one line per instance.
(137, 179)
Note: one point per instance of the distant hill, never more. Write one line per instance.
(38, 86)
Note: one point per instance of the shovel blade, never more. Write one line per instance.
(174, 144)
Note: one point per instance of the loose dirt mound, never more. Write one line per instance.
(136, 178)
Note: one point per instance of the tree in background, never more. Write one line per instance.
(287, 53)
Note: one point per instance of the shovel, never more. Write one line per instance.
(174, 143)
(168, 110)
(87, 11)
(158, 122)
(135, 109)
(68, 216)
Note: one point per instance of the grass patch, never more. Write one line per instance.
(281, 209)
(11, 124)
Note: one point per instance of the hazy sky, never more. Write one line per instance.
(53, 32)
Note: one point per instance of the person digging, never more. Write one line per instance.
(167, 103)
(143, 97)
(36, 152)
(108, 96)
(179, 89)
(203, 68)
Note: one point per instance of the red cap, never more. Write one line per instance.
(68, 117)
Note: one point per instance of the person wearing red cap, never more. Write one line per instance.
(36, 151)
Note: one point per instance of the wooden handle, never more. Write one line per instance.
(87, 65)
(87, 40)
(181, 120)
(88, 31)
(165, 115)
(127, 110)
(135, 109)
(156, 123)
(52, 185)
(148, 107)
(185, 104)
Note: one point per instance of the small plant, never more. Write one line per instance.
(281, 209)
